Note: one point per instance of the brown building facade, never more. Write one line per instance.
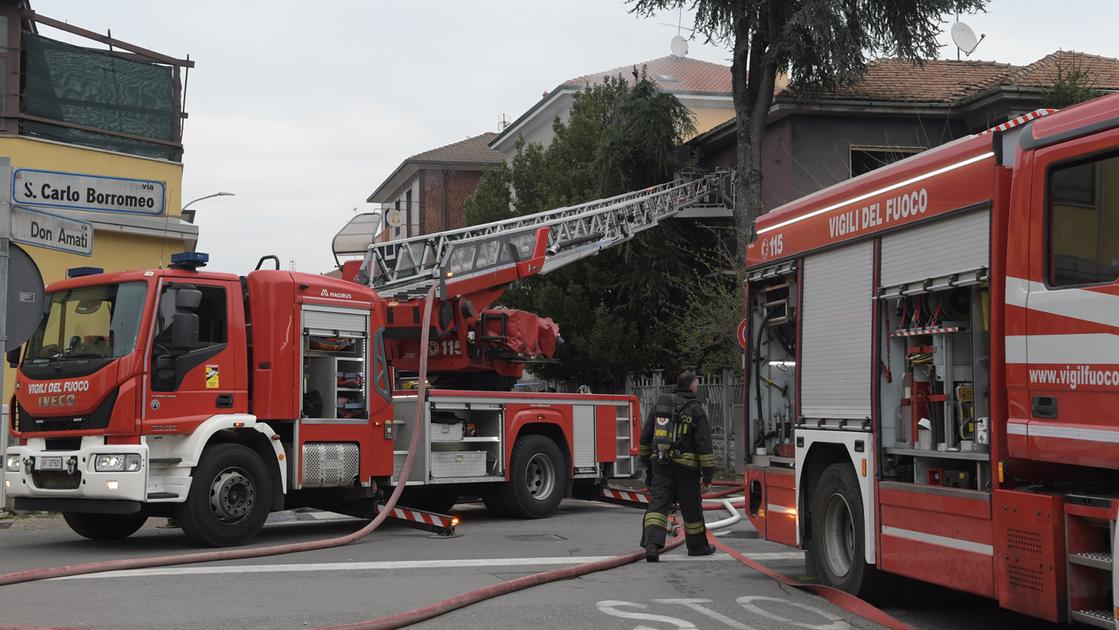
(428, 191)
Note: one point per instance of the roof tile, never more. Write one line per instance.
(945, 81)
(474, 149)
(1102, 71)
(671, 74)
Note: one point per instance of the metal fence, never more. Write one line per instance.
(721, 396)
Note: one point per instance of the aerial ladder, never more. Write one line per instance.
(473, 266)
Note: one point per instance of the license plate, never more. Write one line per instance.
(50, 463)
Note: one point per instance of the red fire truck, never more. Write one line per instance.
(934, 369)
(216, 399)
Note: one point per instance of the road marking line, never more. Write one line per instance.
(407, 564)
(328, 516)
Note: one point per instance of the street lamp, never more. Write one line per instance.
(189, 216)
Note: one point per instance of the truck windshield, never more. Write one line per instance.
(97, 322)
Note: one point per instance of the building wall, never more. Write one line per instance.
(821, 146)
(708, 113)
(805, 153)
(54, 156)
(444, 198)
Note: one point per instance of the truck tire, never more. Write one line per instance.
(230, 497)
(104, 526)
(837, 547)
(536, 485)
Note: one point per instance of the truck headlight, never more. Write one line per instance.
(11, 463)
(117, 462)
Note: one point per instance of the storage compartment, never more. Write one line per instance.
(452, 426)
(446, 432)
(450, 464)
(771, 364)
(934, 344)
(335, 356)
(934, 385)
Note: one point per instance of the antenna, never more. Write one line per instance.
(679, 45)
(964, 38)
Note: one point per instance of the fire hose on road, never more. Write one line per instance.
(31, 575)
(841, 599)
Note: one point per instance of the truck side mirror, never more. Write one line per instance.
(184, 331)
(187, 299)
(13, 357)
(184, 323)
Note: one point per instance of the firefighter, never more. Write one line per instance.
(676, 452)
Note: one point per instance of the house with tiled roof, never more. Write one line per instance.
(817, 138)
(428, 191)
(703, 87)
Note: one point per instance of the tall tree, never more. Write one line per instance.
(819, 43)
(621, 135)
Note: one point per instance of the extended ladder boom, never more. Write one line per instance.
(550, 239)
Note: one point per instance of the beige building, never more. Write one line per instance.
(703, 87)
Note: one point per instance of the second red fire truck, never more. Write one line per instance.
(934, 369)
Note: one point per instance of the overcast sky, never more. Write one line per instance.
(303, 108)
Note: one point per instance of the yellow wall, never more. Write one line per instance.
(709, 118)
(55, 156)
(112, 251)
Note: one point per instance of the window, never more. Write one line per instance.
(171, 364)
(212, 324)
(99, 322)
(1083, 203)
(865, 159)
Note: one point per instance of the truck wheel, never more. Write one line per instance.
(104, 526)
(230, 497)
(536, 485)
(837, 547)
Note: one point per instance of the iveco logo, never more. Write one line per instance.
(67, 400)
(335, 294)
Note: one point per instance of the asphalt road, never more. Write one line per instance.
(398, 569)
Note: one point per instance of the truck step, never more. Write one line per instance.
(1098, 618)
(1096, 560)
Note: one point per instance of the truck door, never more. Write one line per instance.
(1072, 304)
(192, 361)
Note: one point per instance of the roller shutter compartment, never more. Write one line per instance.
(837, 319)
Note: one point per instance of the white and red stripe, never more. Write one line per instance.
(427, 518)
(1021, 120)
(625, 495)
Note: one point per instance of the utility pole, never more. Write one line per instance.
(5, 234)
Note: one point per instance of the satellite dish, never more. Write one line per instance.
(964, 38)
(679, 46)
(394, 217)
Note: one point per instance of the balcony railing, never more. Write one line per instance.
(126, 99)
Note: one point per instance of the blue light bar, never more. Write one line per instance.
(189, 260)
(78, 272)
